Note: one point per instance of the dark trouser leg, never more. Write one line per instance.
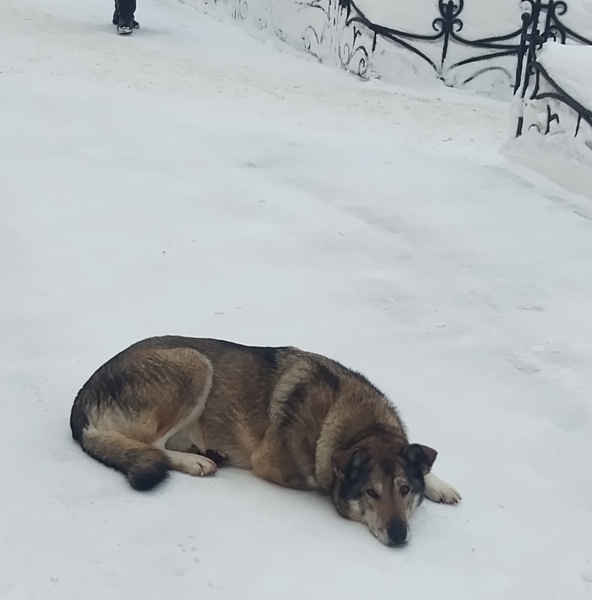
(124, 10)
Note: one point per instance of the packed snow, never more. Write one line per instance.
(190, 179)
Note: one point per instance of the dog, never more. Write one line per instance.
(294, 418)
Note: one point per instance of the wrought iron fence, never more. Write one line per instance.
(339, 31)
(447, 26)
(533, 82)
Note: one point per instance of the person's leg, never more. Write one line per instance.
(124, 12)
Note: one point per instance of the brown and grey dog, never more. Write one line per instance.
(294, 418)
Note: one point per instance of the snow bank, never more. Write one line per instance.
(571, 67)
(554, 140)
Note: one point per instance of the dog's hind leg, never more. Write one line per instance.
(132, 406)
(437, 490)
(182, 453)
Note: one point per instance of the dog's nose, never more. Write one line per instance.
(397, 532)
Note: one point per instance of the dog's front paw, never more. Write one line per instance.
(199, 466)
(448, 495)
(437, 490)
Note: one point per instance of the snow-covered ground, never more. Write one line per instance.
(193, 180)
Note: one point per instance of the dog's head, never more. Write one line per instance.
(380, 484)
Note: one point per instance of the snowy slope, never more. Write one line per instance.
(192, 180)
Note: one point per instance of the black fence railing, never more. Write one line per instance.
(533, 82)
(447, 27)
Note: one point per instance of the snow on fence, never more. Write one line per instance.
(534, 83)
(467, 44)
(552, 105)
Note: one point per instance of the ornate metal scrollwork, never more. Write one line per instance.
(353, 55)
(447, 29)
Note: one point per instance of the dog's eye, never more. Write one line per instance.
(372, 493)
(404, 490)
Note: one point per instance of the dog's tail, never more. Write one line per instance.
(144, 465)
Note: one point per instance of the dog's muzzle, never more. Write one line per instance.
(397, 533)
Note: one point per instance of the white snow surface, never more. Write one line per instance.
(192, 180)
(571, 68)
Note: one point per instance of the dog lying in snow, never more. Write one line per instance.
(295, 418)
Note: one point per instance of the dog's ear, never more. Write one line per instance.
(348, 464)
(421, 456)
